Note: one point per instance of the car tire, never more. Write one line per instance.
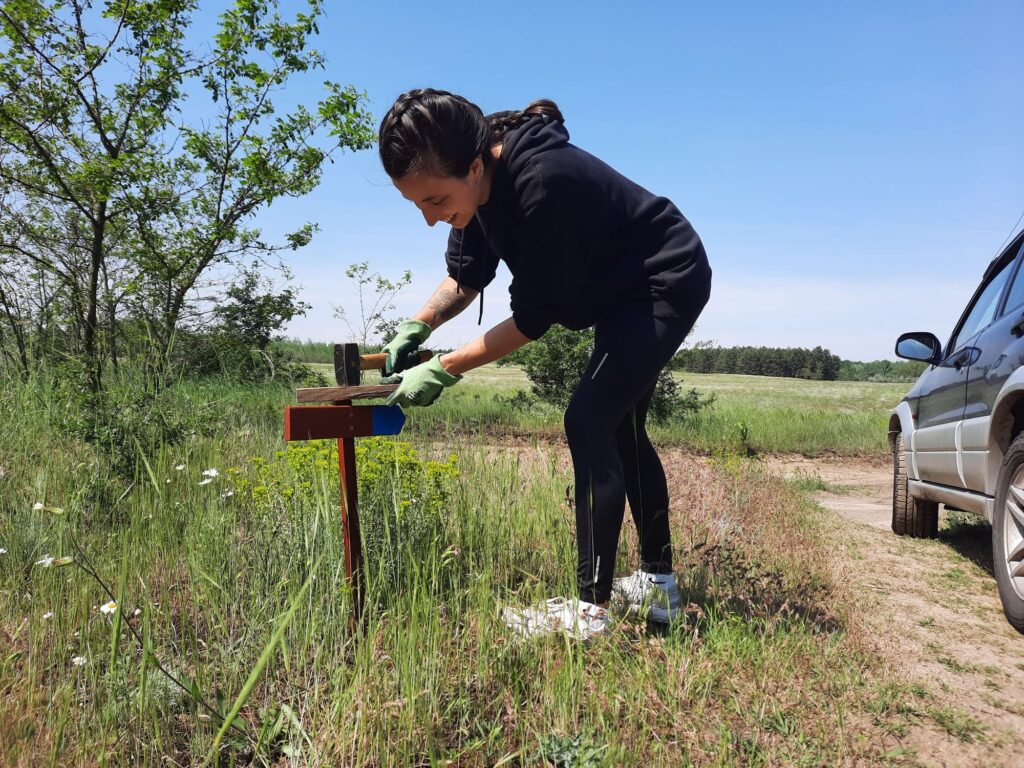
(1008, 534)
(910, 517)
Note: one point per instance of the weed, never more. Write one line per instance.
(808, 482)
(956, 723)
(956, 666)
(563, 751)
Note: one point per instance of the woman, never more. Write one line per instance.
(586, 247)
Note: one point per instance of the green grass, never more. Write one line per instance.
(763, 413)
(245, 593)
(957, 723)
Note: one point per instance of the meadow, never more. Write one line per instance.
(196, 612)
(761, 413)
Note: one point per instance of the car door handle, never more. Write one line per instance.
(1018, 329)
(961, 359)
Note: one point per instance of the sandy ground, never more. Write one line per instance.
(931, 607)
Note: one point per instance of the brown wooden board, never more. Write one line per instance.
(334, 394)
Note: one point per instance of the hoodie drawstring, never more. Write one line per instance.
(458, 283)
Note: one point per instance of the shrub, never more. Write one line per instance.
(555, 362)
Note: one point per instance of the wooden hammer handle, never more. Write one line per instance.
(376, 362)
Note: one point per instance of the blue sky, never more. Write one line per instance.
(851, 168)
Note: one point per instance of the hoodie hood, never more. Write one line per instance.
(538, 134)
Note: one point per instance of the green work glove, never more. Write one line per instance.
(402, 349)
(421, 384)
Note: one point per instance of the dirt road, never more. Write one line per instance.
(933, 609)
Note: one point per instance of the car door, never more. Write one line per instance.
(1000, 352)
(943, 396)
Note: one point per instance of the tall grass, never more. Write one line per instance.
(763, 670)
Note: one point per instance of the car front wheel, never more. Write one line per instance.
(910, 516)
(1008, 534)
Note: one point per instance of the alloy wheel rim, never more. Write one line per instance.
(1013, 532)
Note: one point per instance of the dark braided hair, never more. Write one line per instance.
(440, 133)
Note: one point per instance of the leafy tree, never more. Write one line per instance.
(106, 188)
(376, 296)
(253, 314)
(554, 363)
(249, 318)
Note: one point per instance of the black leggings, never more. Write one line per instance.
(612, 457)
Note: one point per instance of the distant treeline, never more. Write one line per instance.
(881, 370)
(817, 364)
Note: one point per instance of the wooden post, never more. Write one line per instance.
(346, 372)
(344, 422)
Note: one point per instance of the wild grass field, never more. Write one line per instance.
(196, 612)
(761, 413)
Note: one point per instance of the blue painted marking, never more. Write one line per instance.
(387, 419)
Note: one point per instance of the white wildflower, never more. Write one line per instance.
(206, 481)
(108, 608)
(48, 615)
(210, 473)
(228, 494)
(40, 507)
(137, 612)
(3, 551)
(179, 467)
(167, 480)
(46, 562)
(79, 661)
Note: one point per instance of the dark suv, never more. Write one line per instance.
(957, 438)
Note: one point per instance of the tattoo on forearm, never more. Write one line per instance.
(446, 304)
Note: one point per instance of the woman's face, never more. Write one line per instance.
(446, 199)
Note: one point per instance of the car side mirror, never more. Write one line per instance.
(919, 345)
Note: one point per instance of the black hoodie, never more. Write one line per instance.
(579, 238)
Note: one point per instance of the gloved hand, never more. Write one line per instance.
(422, 384)
(401, 350)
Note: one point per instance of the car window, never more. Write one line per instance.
(1015, 297)
(984, 309)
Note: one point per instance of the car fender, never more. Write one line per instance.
(1007, 422)
(901, 421)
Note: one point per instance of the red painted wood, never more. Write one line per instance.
(350, 520)
(320, 422)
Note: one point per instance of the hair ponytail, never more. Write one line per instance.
(503, 122)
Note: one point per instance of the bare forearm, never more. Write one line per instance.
(447, 301)
(502, 339)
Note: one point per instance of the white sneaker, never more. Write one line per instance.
(656, 591)
(577, 618)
